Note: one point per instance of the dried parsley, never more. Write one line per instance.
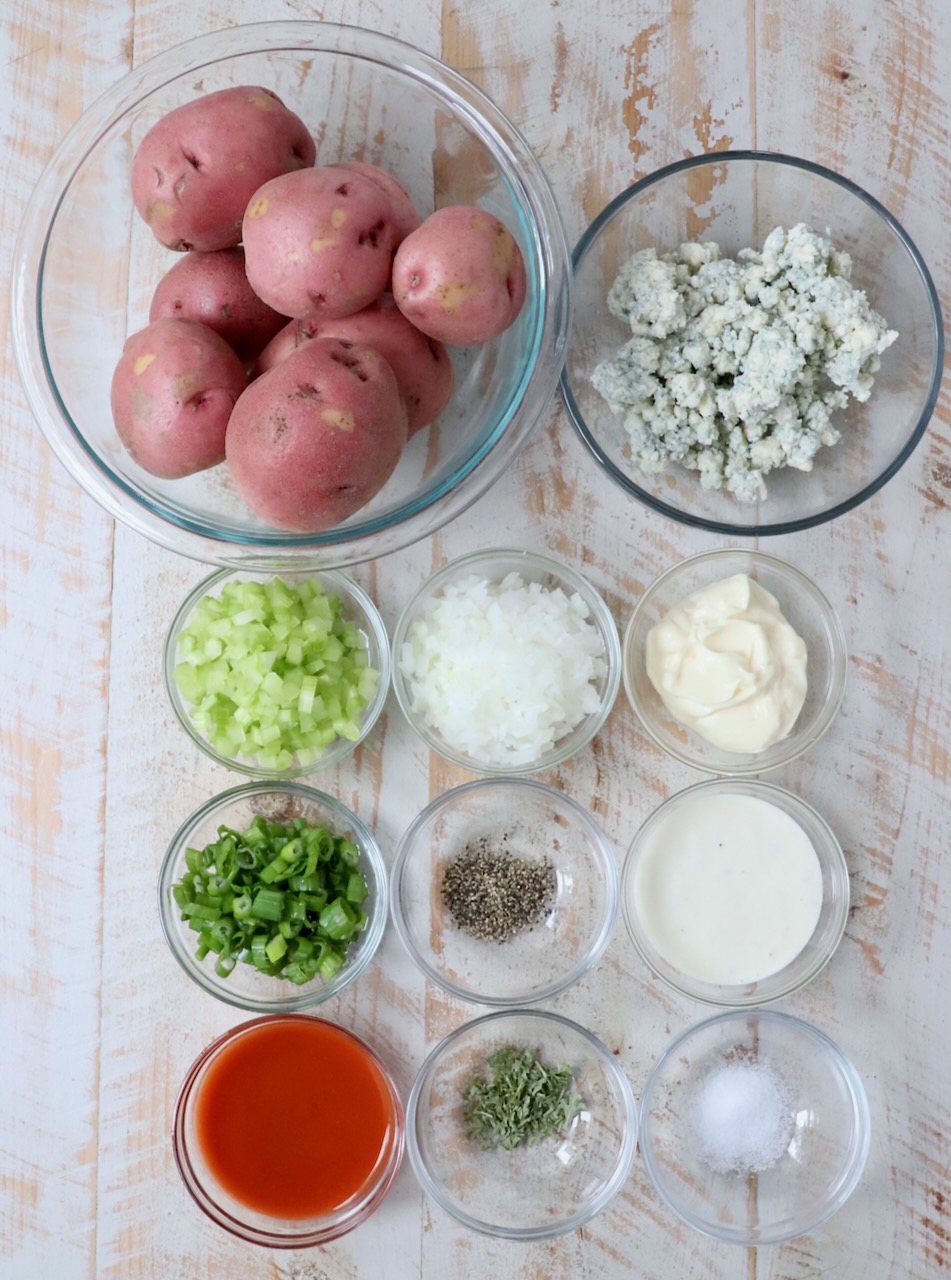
(522, 1101)
(493, 894)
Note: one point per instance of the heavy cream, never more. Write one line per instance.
(727, 664)
(727, 888)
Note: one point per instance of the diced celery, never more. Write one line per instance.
(274, 671)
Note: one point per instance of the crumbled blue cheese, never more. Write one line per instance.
(736, 367)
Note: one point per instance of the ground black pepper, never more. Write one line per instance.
(493, 894)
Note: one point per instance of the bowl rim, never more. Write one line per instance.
(729, 996)
(732, 527)
(600, 614)
(351, 593)
(298, 999)
(794, 745)
(861, 1112)
(626, 1150)
(343, 544)
(230, 1222)
(604, 858)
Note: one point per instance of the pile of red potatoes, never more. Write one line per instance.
(300, 337)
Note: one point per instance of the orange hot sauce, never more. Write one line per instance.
(293, 1117)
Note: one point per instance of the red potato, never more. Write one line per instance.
(312, 440)
(285, 342)
(172, 394)
(460, 276)
(319, 243)
(213, 288)
(196, 169)
(422, 367)
(405, 216)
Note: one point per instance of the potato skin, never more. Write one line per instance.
(172, 394)
(460, 276)
(213, 288)
(423, 370)
(196, 169)
(315, 438)
(319, 242)
(405, 216)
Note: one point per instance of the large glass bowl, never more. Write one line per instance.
(737, 198)
(85, 267)
(536, 1191)
(699, 1132)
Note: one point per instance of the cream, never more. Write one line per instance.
(727, 664)
(728, 888)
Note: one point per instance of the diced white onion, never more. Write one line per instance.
(502, 670)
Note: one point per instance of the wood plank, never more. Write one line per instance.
(157, 1021)
(873, 106)
(541, 73)
(55, 568)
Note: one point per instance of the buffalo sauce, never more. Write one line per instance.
(293, 1117)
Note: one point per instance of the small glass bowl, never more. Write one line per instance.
(492, 566)
(829, 1129)
(529, 821)
(806, 609)
(737, 198)
(245, 987)
(256, 1226)
(357, 607)
(533, 1192)
(826, 935)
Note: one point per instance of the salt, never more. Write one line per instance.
(742, 1116)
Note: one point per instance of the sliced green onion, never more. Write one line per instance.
(356, 888)
(338, 920)
(276, 948)
(283, 898)
(268, 904)
(330, 964)
(200, 912)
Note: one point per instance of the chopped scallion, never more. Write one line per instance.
(284, 898)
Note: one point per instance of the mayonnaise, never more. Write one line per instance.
(728, 665)
(728, 888)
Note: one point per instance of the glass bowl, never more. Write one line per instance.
(518, 820)
(797, 954)
(489, 676)
(802, 1120)
(357, 609)
(245, 987)
(737, 198)
(210, 1173)
(803, 605)
(534, 1191)
(366, 96)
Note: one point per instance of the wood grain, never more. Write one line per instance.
(56, 586)
(99, 1025)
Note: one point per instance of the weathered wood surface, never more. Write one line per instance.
(98, 1025)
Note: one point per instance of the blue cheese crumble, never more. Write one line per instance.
(736, 367)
